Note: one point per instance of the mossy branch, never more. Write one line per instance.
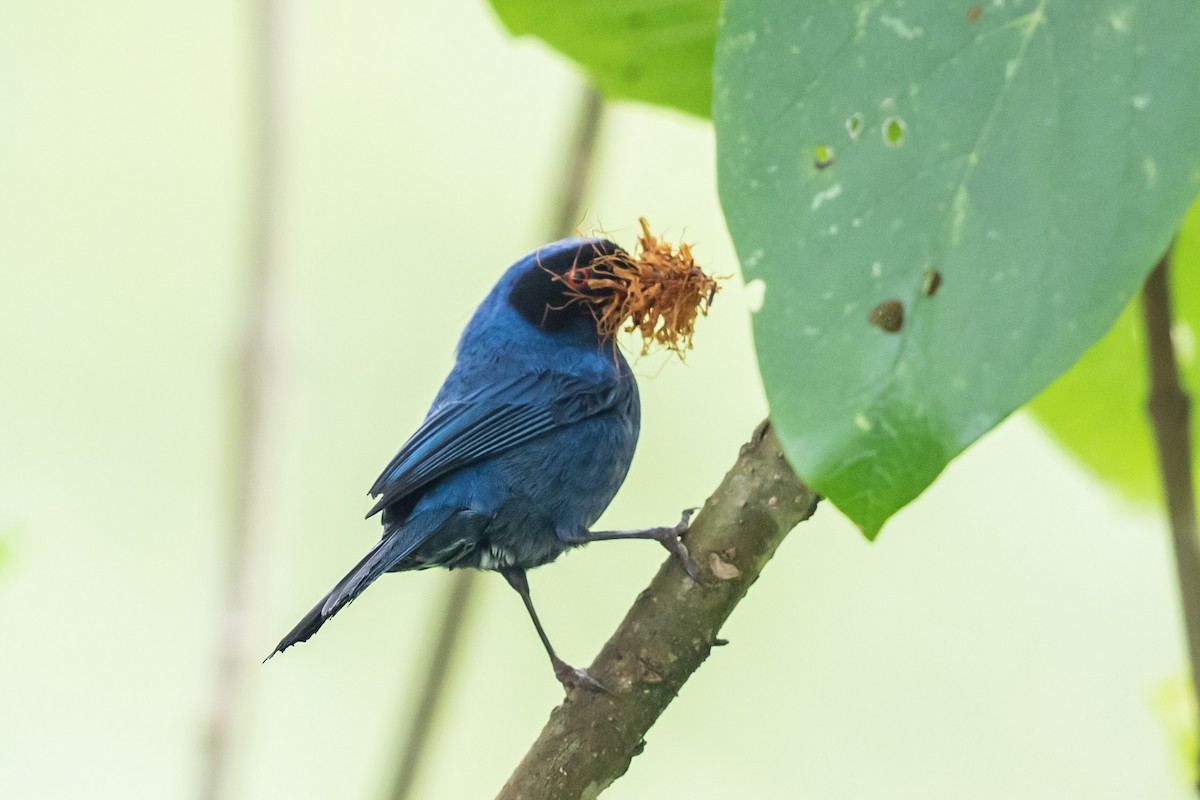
(592, 737)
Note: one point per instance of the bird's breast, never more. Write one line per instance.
(572, 474)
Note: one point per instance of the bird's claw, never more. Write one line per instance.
(685, 561)
(670, 539)
(575, 678)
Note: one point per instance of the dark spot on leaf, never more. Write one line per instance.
(974, 13)
(888, 316)
(822, 156)
(931, 283)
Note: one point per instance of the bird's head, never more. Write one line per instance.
(553, 291)
(593, 284)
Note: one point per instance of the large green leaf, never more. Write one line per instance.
(1027, 161)
(1098, 408)
(660, 51)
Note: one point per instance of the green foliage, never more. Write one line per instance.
(1097, 409)
(1001, 180)
(637, 49)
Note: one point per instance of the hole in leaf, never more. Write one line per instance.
(888, 316)
(931, 283)
(854, 124)
(974, 13)
(893, 131)
(822, 156)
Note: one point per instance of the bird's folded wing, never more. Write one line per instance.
(491, 420)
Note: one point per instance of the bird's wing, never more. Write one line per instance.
(489, 421)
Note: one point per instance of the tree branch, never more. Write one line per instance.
(1169, 411)
(590, 739)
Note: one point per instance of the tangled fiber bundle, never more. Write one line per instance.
(659, 290)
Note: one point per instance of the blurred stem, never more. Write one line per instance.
(249, 434)
(1169, 409)
(668, 633)
(452, 622)
(580, 163)
(446, 634)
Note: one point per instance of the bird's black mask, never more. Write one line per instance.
(549, 294)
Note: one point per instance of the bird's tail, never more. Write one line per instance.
(384, 555)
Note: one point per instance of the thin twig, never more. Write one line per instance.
(579, 165)
(251, 440)
(437, 676)
(1169, 409)
(592, 737)
(447, 632)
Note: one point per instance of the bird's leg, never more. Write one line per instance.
(667, 537)
(568, 676)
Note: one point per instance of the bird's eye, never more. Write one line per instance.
(576, 278)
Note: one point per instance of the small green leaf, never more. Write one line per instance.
(1003, 178)
(1098, 409)
(637, 49)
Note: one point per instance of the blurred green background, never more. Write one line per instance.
(1003, 639)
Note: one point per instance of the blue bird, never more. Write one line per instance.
(525, 445)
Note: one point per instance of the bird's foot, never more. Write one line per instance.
(574, 678)
(669, 538)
